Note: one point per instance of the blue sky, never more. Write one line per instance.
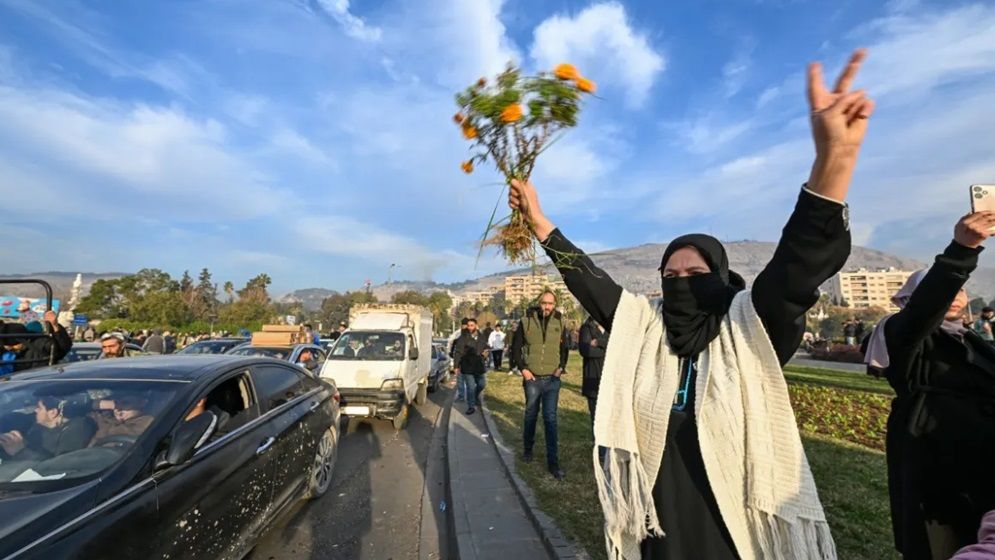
(311, 139)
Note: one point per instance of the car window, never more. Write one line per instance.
(231, 402)
(319, 355)
(55, 433)
(279, 385)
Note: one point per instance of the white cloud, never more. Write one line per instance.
(736, 72)
(709, 133)
(354, 26)
(927, 50)
(605, 47)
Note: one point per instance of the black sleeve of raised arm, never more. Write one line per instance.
(814, 246)
(597, 293)
(926, 309)
(564, 348)
(517, 344)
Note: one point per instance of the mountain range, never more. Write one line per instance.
(635, 268)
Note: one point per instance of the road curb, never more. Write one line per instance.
(558, 546)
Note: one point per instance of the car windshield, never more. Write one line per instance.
(55, 434)
(368, 346)
(264, 351)
(210, 347)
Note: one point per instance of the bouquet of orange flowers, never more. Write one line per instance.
(511, 122)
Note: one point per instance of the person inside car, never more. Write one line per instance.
(127, 418)
(369, 348)
(52, 433)
(32, 352)
(306, 360)
(218, 418)
(396, 350)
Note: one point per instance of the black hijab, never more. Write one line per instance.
(693, 306)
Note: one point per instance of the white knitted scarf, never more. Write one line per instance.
(749, 441)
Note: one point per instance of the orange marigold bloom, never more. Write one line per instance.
(467, 166)
(458, 118)
(511, 113)
(482, 82)
(566, 72)
(586, 86)
(469, 132)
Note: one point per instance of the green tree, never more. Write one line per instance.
(206, 301)
(440, 303)
(410, 297)
(104, 301)
(335, 308)
(230, 291)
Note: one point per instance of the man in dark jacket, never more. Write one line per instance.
(470, 355)
(539, 350)
(31, 352)
(591, 345)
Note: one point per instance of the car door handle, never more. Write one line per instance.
(314, 406)
(265, 445)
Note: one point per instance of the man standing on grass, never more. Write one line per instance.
(539, 349)
(591, 345)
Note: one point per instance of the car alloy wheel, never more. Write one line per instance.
(324, 462)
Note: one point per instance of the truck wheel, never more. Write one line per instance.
(422, 395)
(401, 419)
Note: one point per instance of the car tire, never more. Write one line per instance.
(401, 420)
(421, 397)
(324, 463)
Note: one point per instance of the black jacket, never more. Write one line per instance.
(594, 356)
(468, 353)
(941, 429)
(39, 350)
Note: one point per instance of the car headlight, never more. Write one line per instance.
(392, 384)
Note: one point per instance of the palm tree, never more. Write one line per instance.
(230, 290)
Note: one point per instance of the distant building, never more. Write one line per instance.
(482, 297)
(528, 287)
(864, 288)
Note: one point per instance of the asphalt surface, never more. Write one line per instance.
(385, 497)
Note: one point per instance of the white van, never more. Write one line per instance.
(381, 363)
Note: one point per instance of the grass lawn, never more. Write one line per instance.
(851, 478)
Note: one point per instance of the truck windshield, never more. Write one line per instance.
(368, 345)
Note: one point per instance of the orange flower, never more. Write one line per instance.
(586, 86)
(469, 132)
(511, 113)
(467, 167)
(481, 82)
(566, 72)
(458, 118)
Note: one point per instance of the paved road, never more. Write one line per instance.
(385, 483)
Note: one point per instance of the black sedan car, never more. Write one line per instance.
(173, 457)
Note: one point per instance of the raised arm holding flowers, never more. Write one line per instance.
(510, 122)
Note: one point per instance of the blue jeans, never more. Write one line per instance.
(544, 391)
(460, 387)
(475, 384)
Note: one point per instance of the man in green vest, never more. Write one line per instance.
(539, 350)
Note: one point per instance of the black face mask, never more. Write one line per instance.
(693, 306)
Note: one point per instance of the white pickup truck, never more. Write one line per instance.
(381, 363)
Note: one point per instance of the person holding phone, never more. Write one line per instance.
(700, 374)
(941, 458)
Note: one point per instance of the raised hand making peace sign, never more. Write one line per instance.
(839, 123)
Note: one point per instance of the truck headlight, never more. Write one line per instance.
(393, 384)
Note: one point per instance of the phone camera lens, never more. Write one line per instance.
(978, 195)
(977, 188)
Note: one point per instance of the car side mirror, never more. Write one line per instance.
(185, 440)
(413, 353)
